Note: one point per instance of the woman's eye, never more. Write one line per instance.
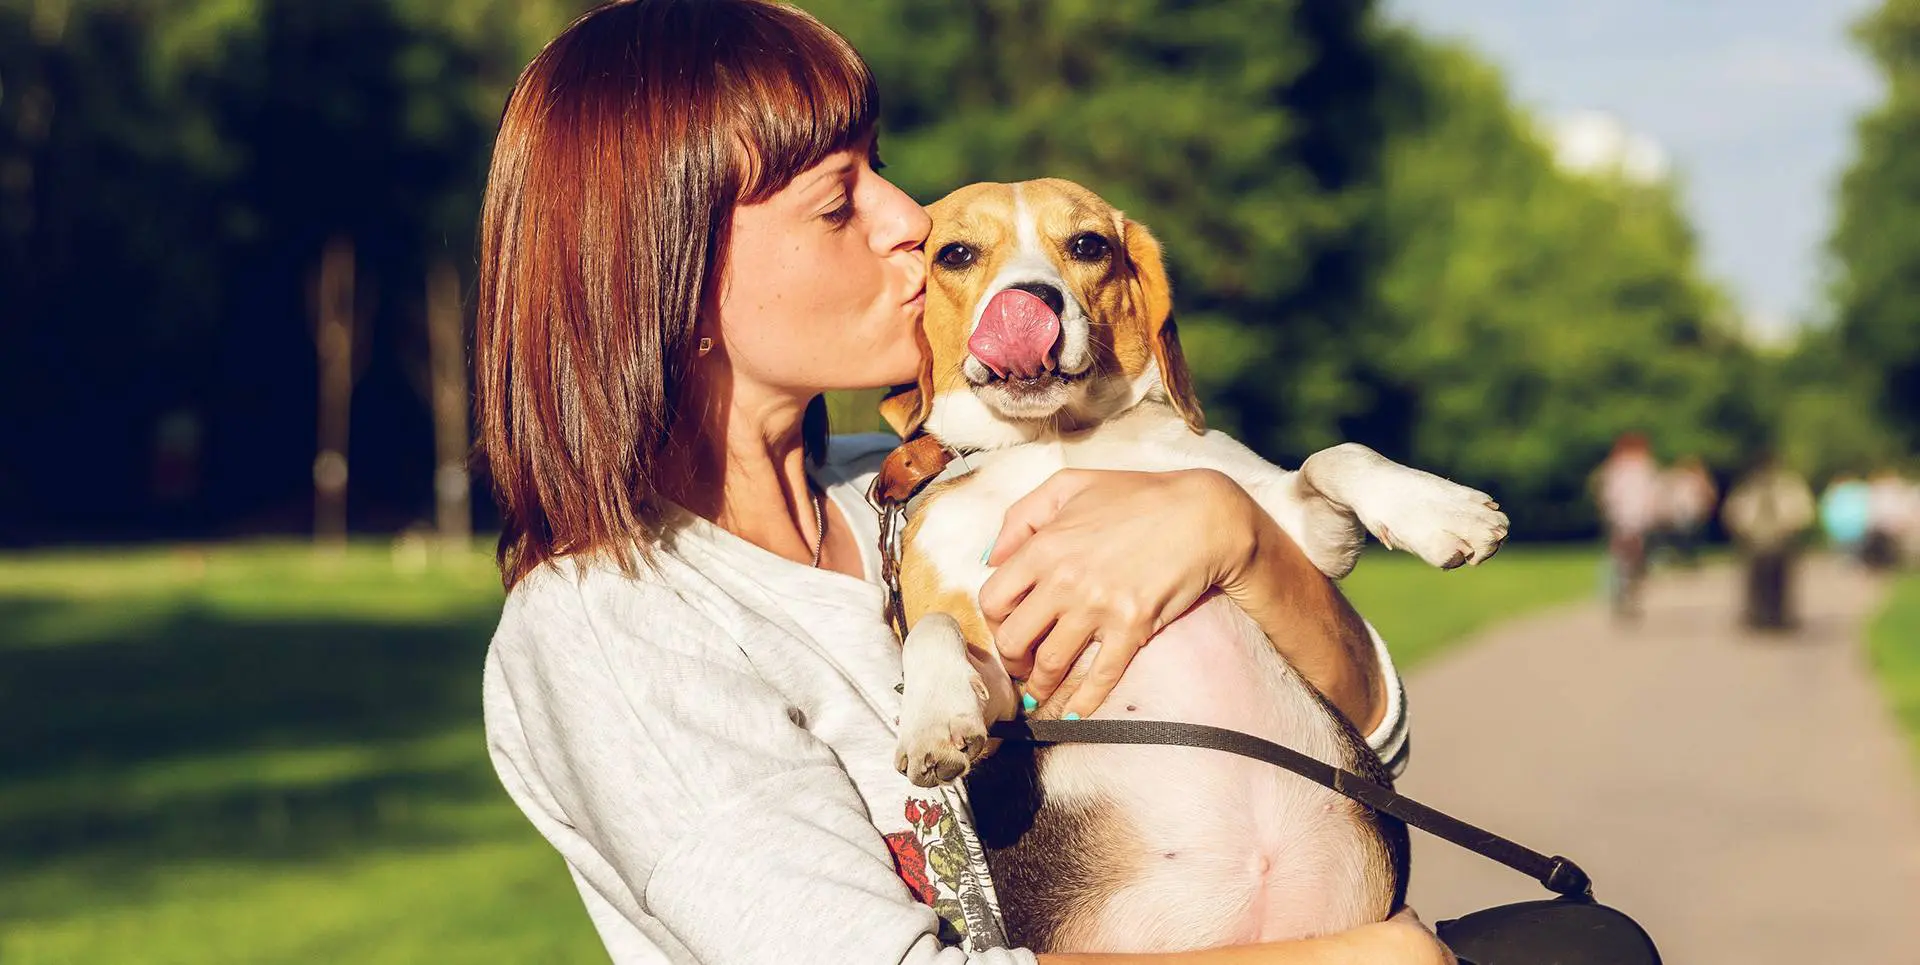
(841, 215)
(954, 256)
(1088, 246)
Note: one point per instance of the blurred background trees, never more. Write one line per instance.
(1869, 359)
(1370, 241)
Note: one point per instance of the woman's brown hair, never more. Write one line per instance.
(622, 152)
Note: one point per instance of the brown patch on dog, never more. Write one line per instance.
(921, 590)
(1127, 297)
(1152, 311)
(1055, 865)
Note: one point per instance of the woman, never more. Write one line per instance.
(685, 242)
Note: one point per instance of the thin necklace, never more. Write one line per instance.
(819, 524)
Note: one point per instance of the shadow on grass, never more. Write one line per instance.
(188, 734)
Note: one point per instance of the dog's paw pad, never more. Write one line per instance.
(1448, 525)
(940, 750)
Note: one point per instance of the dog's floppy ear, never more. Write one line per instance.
(1154, 302)
(906, 407)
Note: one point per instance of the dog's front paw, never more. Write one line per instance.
(1442, 522)
(941, 735)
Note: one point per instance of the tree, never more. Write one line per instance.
(1875, 244)
(1534, 314)
(1245, 133)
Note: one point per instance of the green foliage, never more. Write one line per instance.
(1876, 240)
(1893, 645)
(1244, 133)
(1532, 315)
(1367, 240)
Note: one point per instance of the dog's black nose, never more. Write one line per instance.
(1046, 293)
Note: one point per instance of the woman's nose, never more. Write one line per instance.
(906, 225)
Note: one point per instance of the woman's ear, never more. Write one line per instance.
(906, 407)
(1154, 302)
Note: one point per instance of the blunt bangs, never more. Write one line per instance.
(798, 92)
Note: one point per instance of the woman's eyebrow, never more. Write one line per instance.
(834, 174)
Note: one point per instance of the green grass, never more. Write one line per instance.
(250, 754)
(1894, 644)
(1419, 610)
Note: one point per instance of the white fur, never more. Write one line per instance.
(943, 707)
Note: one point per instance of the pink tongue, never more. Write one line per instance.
(1016, 335)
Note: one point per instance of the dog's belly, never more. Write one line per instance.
(1218, 848)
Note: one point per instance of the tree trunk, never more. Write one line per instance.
(333, 339)
(446, 342)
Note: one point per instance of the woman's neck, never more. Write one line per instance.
(744, 469)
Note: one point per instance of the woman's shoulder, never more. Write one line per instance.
(571, 603)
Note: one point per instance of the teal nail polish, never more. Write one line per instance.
(1027, 702)
(987, 552)
(1072, 716)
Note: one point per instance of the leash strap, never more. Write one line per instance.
(1557, 874)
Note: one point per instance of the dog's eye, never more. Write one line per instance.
(954, 256)
(1088, 246)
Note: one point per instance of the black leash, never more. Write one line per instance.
(1557, 874)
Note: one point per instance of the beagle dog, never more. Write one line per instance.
(1050, 343)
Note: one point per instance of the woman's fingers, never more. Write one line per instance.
(1056, 655)
(1006, 588)
(1035, 510)
(1426, 946)
(1117, 649)
(1021, 630)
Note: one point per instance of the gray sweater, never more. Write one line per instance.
(710, 749)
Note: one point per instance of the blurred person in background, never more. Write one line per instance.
(685, 243)
(1687, 496)
(1766, 513)
(1626, 488)
(1890, 519)
(1844, 514)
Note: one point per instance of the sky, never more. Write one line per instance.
(1752, 102)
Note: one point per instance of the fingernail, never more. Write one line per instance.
(1072, 716)
(1027, 702)
(988, 551)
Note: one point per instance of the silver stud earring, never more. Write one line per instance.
(706, 345)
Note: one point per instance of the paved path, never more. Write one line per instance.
(1747, 799)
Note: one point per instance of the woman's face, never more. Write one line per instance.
(825, 281)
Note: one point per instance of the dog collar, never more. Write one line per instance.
(909, 470)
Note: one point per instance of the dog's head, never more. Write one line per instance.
(1047, 311)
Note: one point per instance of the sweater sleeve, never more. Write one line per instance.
(700, 820)
(1390, 739)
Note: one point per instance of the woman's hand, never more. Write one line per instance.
(1413, 942)
(1109, 556)
(1400, 940)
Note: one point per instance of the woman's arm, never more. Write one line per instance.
(701, 822)
(1115, 556)
(699, 819)
(1401, 940)
(1304, 614)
